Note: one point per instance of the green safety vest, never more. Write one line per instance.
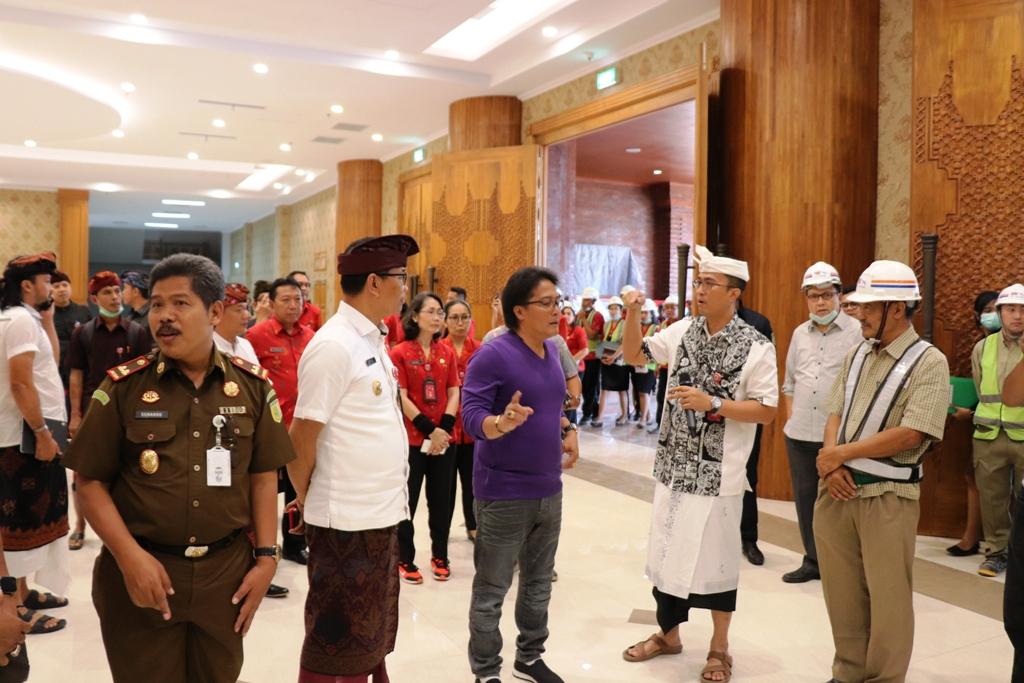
(592, 344)
(991, 415)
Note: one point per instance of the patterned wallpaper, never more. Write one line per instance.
(394, 168)
(29, 223)
(895, 72)
(311, 231)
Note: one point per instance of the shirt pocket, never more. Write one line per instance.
(143, 436)
(240, 434)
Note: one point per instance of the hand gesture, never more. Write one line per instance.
(840, 484)
(515, 414)
(250, 593)
(634, 301)
(147, 582)
(438, 442)
(690, 398)
(830, 458)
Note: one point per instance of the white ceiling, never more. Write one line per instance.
(64, 61)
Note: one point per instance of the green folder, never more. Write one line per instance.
(962, 393)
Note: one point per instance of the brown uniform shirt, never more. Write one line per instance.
(149, 404)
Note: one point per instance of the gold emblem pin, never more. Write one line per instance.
(150, 397)
(160, 367)
(140, 362)
(230, 389)
(377, 388)
(149, 461)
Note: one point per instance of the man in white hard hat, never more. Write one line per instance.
(817, 350)
(592, 322)
(887, 406)
(999, 429)
(723, 382)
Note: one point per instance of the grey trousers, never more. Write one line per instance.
(508, 530)
(803, 471)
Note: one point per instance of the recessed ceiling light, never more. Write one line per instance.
(337, 109)
(285, 147)
(633, 150)
(300, 171)
(30, 143)
(310, 176)
(218, 123)
(106, 187)
(260, 68)
(117, 133)
(393, 55)
(376, 137)
(128, 87)
(183, 202)
(657, 171)
(278, 186)
(170, 214)
(192, 156)
(549, 32)
(139, 19)
(161, 225)
(220, 194)
(263, 177)
(287, 189)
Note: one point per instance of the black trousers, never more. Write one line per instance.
(803, 471)
(673, 610)
(591, 387)
(1013, 594)
(662, 388)
(291, 544)
(748, 522)
(463, 475)
(438, 470)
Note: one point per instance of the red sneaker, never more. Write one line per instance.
(409, 573)
(442, 572)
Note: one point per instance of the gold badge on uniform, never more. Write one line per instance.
(230, 389)
(377, 388)
(160, 367)
(150, 397)
(149, 461)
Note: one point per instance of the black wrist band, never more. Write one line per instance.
(448, 423)
(424, 424)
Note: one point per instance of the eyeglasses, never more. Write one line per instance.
(402, 277)
(848, 305)
(459, 318)
(550, 303)
(707, 284)
(437, 313)
(823, 296)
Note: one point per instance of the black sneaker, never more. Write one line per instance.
(275, 591)
(538, 672)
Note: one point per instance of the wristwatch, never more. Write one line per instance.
(716, 404)
(8, 585)
(273, 551)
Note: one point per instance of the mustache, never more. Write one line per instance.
(167, 329)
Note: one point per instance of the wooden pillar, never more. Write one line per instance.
(73, 258)
(799, 127)
(359, 205)
(483, 122)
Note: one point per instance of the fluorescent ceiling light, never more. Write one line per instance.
(502, 19)
(30, 143)
(300, 171)
(183, 202)
(549, 31)
(337, 109)
(287, 189)
(393, 55)
(170, 214)
(139, 19)
(657, 171)
(221, 194)
(192, 156)
(161, 225)
(285, 147)
(260, 68)
(128, 87)
(117, 133)
(106, 187)
(633, 150)
(218, 123)
(376, 137)
(278, 186)
(263, 177)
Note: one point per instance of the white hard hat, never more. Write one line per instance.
(615, 301)
(1014, 294)
(671, 300)
(821, 274)
(649, 305)
(591, 293)
(626, 290)
(886, 281)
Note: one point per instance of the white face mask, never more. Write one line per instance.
(825, 319)
(614, 317)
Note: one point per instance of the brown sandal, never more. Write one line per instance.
(663, 648)
(725, 667)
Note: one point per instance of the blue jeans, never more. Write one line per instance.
(508, 530)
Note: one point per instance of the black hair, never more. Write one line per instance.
(259, 287)
(205, 276)
(292, 274)
(353, 285)
(10, 284)
(980, 302)
(282, 282)
(848, 289)
(409, 326)
(59, 276)
(460, 292)
(518, 290)
(458, 302)
(735, 282)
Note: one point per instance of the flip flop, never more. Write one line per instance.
(76, 540)
(39, 621)
(663, 648)
(36, 600)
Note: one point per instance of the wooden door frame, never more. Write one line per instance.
(682, 85)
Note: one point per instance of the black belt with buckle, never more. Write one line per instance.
(193, 552)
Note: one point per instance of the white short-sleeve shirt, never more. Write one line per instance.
(21, 331)
(348, 383)
(241, 348)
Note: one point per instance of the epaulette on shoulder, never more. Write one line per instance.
(119, 372)
(251, 368)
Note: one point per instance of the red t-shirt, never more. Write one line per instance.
(310, 316)
(395, 334)
(279, 353)
(575, 338)
(462, 361)
(413, 370)
(593, 328)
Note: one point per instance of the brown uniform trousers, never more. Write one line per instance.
(994, 465)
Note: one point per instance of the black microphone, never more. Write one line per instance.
(691, 418)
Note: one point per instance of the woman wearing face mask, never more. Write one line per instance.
(614, 373)
(986, 318)
(644, 376)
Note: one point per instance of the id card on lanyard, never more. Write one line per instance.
(429, 389)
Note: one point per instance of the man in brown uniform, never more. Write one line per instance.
(177, 460)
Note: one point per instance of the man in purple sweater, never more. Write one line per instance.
(512, 405)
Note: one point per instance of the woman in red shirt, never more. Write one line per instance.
(463, 345)
(428, 380)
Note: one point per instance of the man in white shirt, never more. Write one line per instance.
(350, 473)
(816, 354)
(34, 489)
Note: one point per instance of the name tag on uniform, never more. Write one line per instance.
(277, 349)
(218, 466)
(370, 362)
(232, 410)
(151, 414)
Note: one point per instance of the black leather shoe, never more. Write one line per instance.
(753, 553)
(956, 551)
(301, 556)
(276, 591)
(805, 573)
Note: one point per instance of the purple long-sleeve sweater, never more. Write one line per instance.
(528, 462)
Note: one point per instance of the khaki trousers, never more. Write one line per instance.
(994, 465)
(866, 556)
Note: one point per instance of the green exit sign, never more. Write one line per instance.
(418, 155)
(606, 78)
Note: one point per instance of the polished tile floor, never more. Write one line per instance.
(600, 605)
